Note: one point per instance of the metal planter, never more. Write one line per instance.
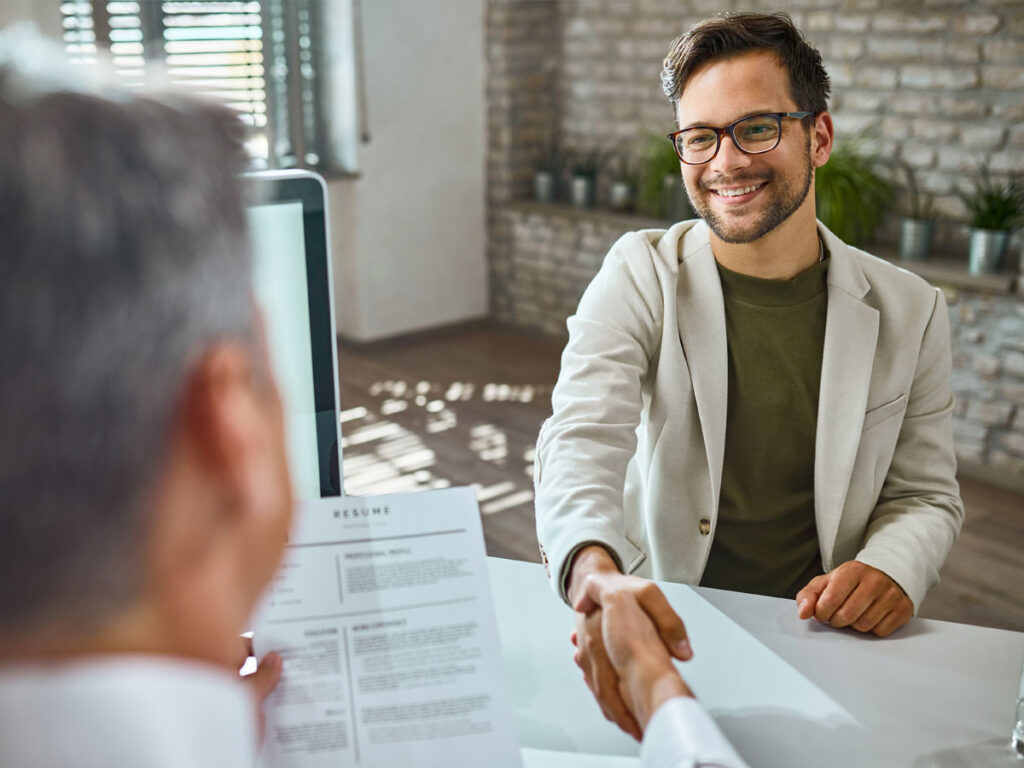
(987, 249)
(916, 237)
(581, 193)
(621, 196)
(544, 186)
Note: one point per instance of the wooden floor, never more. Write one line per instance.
(463, 408)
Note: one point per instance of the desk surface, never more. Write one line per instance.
(787, 693)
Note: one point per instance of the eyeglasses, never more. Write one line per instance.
(754, 135)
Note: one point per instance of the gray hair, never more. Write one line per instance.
(125, 256)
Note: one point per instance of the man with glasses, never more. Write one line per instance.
(745, 401)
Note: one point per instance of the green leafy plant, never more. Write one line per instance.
(658, 161)
(551, 159)
(624, 169)
(922, 206)
(587, 162)
(993, 204)
(851, 197)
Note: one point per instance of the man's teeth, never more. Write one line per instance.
(736, 192)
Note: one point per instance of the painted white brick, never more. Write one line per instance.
(926, 76)
(982, 136)
(977, 24)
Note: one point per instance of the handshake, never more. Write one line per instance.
(627, 633)
(625, 628)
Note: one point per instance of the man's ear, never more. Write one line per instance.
(227, 425)
(822, 137)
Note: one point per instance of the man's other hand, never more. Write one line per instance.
(263, 680)
(855, 595)
(591, 655)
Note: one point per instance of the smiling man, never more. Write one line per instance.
(745, 401)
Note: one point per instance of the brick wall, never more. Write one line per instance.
(523, 58)
(988, 379)
(942, 81)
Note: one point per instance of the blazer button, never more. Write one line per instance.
(705, 527)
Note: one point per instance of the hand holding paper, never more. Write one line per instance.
(382, 613)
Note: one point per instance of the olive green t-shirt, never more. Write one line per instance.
(766, 540)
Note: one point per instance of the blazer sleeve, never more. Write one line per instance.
(919, 511)
(585, 446)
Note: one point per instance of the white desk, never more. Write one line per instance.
(787, 693)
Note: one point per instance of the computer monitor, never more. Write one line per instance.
(292, 282)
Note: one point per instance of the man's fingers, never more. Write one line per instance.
(606, 691)
(807, 598)
(875, 612)
(267, 673)
(599, 674)
(863, 597)
(666, 621)
(586, 603)
(841, 585)
(592, 593)
(896, 618)
(244, 651)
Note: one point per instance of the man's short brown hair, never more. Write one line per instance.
(730, 35)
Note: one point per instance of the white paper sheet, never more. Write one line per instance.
(743, 684)
(383, 614)
(549, 758)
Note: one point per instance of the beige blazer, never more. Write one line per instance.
(632, 454)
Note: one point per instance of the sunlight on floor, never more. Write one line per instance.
(386, 447)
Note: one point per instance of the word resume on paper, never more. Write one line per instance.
(383, 614)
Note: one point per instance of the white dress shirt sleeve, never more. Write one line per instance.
(682, 735)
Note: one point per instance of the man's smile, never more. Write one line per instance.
(736, 191)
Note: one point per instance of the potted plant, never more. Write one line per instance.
(994, 208)
(545, 177)
(661, 192)
(851, 197)
(917, 229)
(584, 166)
(622, 193)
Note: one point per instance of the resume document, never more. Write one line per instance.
(383, 614)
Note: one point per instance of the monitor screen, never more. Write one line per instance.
(291, 282)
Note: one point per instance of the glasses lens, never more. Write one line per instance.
(758, 133)
(696, 145)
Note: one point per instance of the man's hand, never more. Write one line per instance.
(855, 595)
(591, 656)
(263, 680)
(646, 675)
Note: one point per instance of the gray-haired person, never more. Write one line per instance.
(146, 495)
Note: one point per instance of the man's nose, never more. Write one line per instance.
(729, 157)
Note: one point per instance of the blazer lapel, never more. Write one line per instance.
(851, 334)
(700, 311)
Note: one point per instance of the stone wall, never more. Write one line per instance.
(523, 49)
(988, 379)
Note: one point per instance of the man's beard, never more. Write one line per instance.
(785, 204)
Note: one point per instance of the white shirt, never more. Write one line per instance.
(132, 711)
(682, 735)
